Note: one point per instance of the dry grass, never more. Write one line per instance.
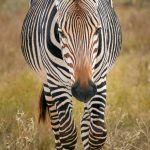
(128, 102)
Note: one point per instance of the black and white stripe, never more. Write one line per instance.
(51, 44)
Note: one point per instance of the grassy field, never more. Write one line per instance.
(128, 100)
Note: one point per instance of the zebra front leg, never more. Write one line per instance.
(67, 129)
(96, 107)
(53, 116)
(85, 128)
(87, 132)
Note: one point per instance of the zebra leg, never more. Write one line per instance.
(85, 128)
(53, 116)
(67, 129)
(96, 106)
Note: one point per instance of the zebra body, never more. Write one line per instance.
(42, 47)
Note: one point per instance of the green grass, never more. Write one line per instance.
(128, 94)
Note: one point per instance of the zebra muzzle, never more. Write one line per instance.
(84, 93)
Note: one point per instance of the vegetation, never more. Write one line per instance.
(128, 100)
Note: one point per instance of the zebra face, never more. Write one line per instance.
(79, 29)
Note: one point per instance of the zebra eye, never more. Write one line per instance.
(98, 30)
(61, 32)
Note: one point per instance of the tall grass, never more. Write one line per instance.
(128, 98)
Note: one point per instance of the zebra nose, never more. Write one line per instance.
(84, 93)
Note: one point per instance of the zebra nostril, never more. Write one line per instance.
(76, 84)
(92, 87)
(75, 89)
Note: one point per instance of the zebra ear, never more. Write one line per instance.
(111, 3)
(57, 3)
(96, 3)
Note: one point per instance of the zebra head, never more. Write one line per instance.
(79, 27)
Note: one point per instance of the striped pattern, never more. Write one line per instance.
(68, 40)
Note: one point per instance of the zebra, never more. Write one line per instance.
(71, 45)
